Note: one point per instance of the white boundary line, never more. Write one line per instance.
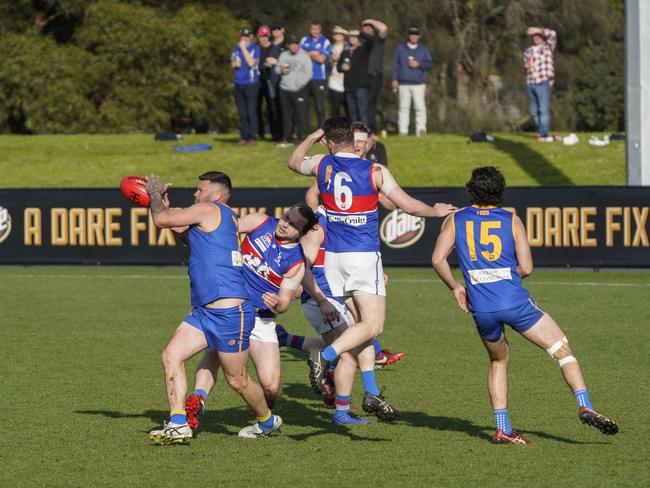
(392, 280)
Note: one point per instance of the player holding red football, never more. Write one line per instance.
(273, 269)
(349, 187)
(494, 256)
(222, 317)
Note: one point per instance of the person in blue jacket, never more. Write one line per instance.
(245, 60)
(411, 60)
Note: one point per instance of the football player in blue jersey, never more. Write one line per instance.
(222, 317)
(494, 256)
(273, 268)
(349, 187)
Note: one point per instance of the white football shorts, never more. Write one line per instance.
(311, 311)
(351, 272)
(264, 330)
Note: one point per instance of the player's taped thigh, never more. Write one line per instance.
(556, 347)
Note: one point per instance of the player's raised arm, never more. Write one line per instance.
(444, 246)
(251, 222)
(387, 185)
(522, 248)
(165, 217)
(290, 282)
(299, 162)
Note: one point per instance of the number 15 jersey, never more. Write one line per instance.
(485, 246)
(350, 199)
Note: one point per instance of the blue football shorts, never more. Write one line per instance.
(520, 318)
(225, 329)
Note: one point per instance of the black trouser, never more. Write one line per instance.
(295, 113)
(246, 100)
(376, 83)
(336, 99)
(317, 91)
(270, 92)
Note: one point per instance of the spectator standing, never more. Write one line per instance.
(335, 80)
(540, 75)
(317, 47)
(354, 64)
(411, 60)
(264, 40)
(278, 46)
(295, 66)
(244, 60)
(379, 31)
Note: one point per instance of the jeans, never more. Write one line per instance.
(376, 82)
(357, 101)
(246, 100)
(406, 94)
(317, 90)
(539, 98)
(295, 113)
(336, 100)
(270, 92)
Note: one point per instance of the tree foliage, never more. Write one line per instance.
(142, 65)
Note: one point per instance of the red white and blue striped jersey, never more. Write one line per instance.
(266, 261)
(318, 269)
(350, 199)
(485, 246)
(215, 264)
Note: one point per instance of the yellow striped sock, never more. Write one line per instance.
(178, 412)
(265, 418)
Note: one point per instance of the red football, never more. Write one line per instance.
(134, 189)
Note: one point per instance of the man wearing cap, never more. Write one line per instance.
(294, 66)
(378, 30)
(278, 46)
(264, 39)
(244, 60)
(335, 80)
(317, 47)
(540, 75)
(411, 60)
(354, 64)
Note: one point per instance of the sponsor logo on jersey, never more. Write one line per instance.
(489, 275)
(257, 265)
(264, 241)
(236, 258)
(5, 223)
(399, 229)
(353, 220)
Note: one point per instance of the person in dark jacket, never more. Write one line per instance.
(354, 64)
(412, 59)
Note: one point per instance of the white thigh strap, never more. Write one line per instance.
(555, 347)
(567, 360)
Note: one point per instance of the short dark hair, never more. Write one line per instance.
(308, 214)
(315, 22)
(217, 177)
(338, 130)
(360, 127)
(486, 186)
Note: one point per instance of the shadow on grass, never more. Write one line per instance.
(533, 163)
(303, 413)
(454, 424)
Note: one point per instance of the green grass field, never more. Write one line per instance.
(82, 385)
(435, 160)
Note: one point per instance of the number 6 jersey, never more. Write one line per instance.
(485, 246)
(350, 200)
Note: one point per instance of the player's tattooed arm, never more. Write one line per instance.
(444, 246)
(155, 188)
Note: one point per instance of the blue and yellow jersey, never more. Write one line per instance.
(215, 264)
(485, 246)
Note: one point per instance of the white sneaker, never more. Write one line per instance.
(171, 433)
(570, 140)
(254, 431)
(594, 141)
(546, 139)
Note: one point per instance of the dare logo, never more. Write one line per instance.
(399, 229)
(5, 223)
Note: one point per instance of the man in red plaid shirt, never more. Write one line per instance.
(540, 74)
